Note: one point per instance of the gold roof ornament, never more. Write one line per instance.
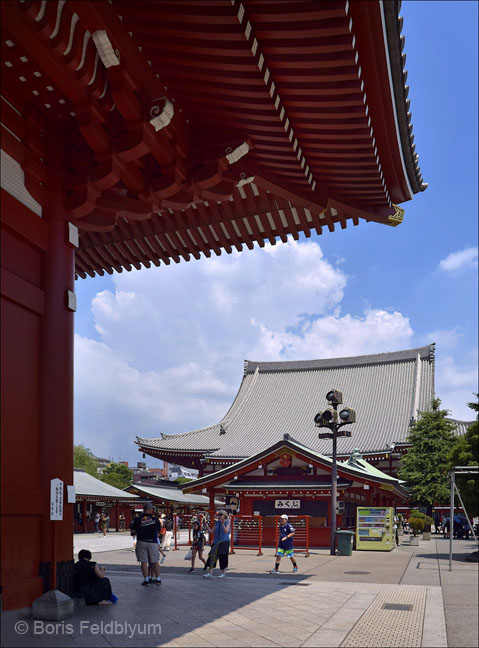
(397, 218)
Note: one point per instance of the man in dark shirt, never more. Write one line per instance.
(90, 581)
(147, 530)
(285, 544)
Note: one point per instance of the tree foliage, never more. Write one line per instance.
(84, 458)
(118, 475)
(425, 467)
(465, 452)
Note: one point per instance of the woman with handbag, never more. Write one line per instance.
(221, 544)
(198, 545)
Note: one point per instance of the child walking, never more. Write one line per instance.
(285, 544)
(198, 545)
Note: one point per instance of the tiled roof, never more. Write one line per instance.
(350, 469)
(88, 485)
(397, 61)
(460, 426)
(283, 397)
(172, 495)
(284, 485)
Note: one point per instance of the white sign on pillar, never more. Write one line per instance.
(56, 499)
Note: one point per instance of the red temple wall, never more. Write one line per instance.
(37, 398)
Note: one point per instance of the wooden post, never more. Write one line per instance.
(260, 530)
(117, 521)
(84, 516)
(232, 549)
(56, 343)
(307, 537)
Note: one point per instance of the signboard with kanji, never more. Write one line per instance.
(287, 504)
(56, 499)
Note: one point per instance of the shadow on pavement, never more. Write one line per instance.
(157, 614)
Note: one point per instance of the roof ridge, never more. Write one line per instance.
(387, 357)
(225, 419)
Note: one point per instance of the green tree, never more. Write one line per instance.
(118, 475)
(465, 452)
(85, 459)
(182, 480)
(425, 466)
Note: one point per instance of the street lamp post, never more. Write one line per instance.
(334, 422)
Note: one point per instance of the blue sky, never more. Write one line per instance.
(163, 350)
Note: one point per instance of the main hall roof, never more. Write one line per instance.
(193, 127)
(277, 398)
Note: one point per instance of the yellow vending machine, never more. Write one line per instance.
(375, 528)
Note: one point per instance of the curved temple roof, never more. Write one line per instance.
(355, 467)
(275, 398)
(88, 486)
(193, 127)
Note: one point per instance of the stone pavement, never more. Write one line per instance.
(403, 598)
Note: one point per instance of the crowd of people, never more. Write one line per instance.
(152, 537)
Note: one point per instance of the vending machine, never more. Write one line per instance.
(375, 528)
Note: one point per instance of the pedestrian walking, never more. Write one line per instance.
(167, 536)
(147, 530)
(122, 521)
(97, 522)
(103, 524)
(395, 527)
(161, 535)
(198, 545)
(221, 543)
(285, 544)
(133, 532)
(90, 581)
(447, 528)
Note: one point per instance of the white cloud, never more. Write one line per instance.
(459, 261)
(456, 383)
(447, 340)
(173, 339)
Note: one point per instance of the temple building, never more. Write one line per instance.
(94, 496)
(266, 453)
(137, 134)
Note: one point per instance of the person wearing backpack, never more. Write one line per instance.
(198, 545)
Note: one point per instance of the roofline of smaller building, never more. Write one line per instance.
(100, 496)
(299, 447)
(283, 486)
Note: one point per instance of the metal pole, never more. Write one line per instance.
(465, 512)
(333, 496)
(451, 520)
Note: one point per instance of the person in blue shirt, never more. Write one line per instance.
(221, 544)
(285, 544)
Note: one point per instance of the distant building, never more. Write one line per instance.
(94, 496)
(175, 472)
(266, 451)
(102, 464)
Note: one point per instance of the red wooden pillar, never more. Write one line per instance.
(211, 494)
(117, 522)
(24, 248)
(56, 414)
(84, 516)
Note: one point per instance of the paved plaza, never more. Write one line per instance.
(403, 598)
